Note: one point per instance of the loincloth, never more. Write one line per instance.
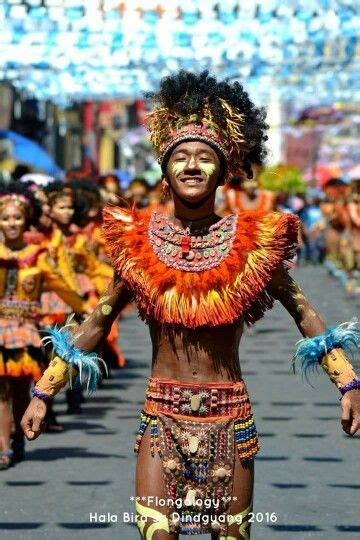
(196, 430)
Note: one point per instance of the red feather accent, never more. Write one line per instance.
(220, 295)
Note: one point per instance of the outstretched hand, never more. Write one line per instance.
(350, 404)
(33, 422)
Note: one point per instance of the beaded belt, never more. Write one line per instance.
(19, 310)
(208, 401)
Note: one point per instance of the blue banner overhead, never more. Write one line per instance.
(65, 49)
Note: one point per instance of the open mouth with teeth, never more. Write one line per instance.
(192, 181)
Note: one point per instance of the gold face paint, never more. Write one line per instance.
(192, 162)
(177, 168)
(207, 168)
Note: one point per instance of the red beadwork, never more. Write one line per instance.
(185, 245)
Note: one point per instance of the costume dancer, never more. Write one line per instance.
(87, 217)
(197, 279)
(88, 225)
(337, 233)
(53, 309)
(354, 215)
(24, 270)
(243, 193)
(92, 276)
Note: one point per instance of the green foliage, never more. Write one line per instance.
(283, 179)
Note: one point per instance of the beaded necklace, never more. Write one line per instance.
(184, 250)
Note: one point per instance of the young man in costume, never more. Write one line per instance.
(197, 279)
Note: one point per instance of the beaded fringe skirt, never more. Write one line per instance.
(196, 430)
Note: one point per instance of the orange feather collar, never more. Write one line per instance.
(221, 295)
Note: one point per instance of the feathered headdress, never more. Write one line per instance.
(198, 107)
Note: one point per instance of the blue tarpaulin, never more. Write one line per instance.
(27, 151)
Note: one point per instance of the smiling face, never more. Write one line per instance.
(193, 171)
(62, 210)
(12, 222)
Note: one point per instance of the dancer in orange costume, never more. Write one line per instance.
(24, 271)
(197, 279)
(89, 276)
(337, 234)
(89, 226)
(243, 194)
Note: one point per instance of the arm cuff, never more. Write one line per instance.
(87, 365)
(320, 350)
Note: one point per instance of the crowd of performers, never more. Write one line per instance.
(53, 263)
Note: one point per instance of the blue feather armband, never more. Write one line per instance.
(310, 351)
(87, 364)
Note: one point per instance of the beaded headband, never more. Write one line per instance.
(14, 198)
(168, 128)
(196, 131)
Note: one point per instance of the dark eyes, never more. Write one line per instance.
(204, 159)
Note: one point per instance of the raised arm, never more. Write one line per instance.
(323, 346)
(71, 357)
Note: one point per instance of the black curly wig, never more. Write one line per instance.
(57, 189)
(33, 209)
(88, 188)
(188, 94)
(87, 195)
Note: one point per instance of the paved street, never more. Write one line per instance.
(307, 472)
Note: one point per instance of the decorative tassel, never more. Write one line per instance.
(310, 351)
(87, 364)
(246, 437)
(145, 419)
(155, 445)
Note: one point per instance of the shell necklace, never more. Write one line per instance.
(191, 250)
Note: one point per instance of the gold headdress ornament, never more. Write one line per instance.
(14, 198)
(168, 127)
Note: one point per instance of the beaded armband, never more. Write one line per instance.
(35, 392)
(329, 351)
(69, 363)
